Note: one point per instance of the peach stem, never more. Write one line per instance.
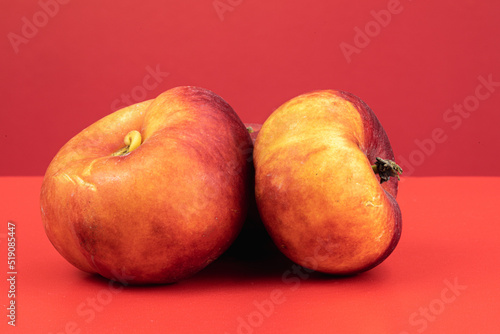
(385, 169)
(132, 140)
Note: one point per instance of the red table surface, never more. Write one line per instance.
(442, 278)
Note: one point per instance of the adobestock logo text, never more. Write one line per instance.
(31, 26)
(453, 117)
(362, 37)
(138, 93)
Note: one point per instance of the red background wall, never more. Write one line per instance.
(65, 64)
